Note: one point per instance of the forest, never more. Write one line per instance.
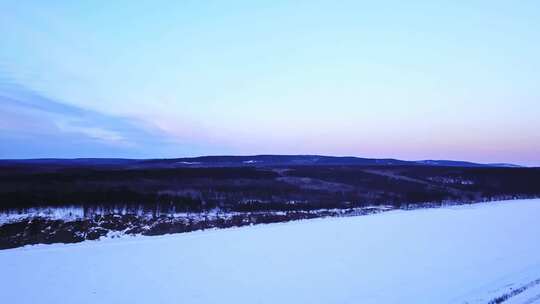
(51, 203)
(258, 188)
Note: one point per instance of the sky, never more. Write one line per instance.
(142, 79)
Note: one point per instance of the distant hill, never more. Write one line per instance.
(243, 161)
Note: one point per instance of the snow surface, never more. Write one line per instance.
(529, 296)
(465, 254)
(55, 213)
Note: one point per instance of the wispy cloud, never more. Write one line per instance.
(39, 126)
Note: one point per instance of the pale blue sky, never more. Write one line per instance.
(404, 79)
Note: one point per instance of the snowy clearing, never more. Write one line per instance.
(465, 254)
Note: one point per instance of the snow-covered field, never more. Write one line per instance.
(466, 254)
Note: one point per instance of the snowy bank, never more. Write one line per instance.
(463, 254)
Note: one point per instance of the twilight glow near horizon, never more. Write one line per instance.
(403, 79)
